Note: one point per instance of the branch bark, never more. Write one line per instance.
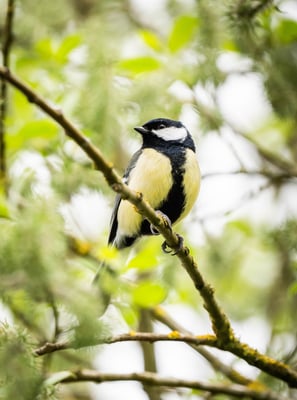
(7, 42)
(207, 340)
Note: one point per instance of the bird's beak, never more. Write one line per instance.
(141, 130)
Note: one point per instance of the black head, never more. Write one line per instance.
(165, 129)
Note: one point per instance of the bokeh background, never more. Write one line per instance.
(228, 70)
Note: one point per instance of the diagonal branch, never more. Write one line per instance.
(289, 169)
(220, 322)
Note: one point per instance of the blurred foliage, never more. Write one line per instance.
(109, 67)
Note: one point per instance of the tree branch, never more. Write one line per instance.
(6, 46)
(274, 177)
(214, 116)
(175, 336)
(289, 169)
(150, 378)
(221, 325)
(242, 201)
(208, 340)
(49, 348)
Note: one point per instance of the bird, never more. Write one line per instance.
(165, 171)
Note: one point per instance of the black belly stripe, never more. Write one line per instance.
(175, 202)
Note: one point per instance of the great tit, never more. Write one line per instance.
(165, 171)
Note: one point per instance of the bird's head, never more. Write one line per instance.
(165, 129)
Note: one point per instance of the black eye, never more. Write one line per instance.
(162, 126)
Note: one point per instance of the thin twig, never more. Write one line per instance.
(6, 47)
(49, 348)
(289, 168)
(150, 378)
(250, 195)
(174, 336)
(231, 145)
(275, 177)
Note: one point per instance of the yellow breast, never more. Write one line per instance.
(152, 177)
(191, 182)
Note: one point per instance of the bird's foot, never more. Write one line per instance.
(179, 246)
(165, 219)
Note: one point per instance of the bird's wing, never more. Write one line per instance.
(114, 216)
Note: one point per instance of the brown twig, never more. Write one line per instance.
(250, 195)
(6, 46)
(208, 340)
(275, 177)
(150, 378)
(49, 348)
(289, 169)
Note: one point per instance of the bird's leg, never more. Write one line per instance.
(165, 219)
(168, 250)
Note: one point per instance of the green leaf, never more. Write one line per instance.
(129, 314)
(42, 127)
(148, 294)
(182, 32)
(66, 47)
(293, 289)
(37, 132)
(229, 45)
(4, 205)
(45, 47)
(241, 225)
(151, 40)
(287, 31)
(4, 211)
(139, 65)
(144, 260)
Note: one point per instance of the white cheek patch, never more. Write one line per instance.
(171, 133)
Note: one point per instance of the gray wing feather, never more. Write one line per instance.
(118, 199)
